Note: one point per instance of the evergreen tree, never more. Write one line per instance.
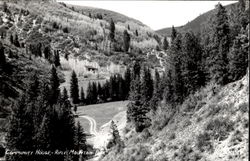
(136, 33)
(157, 95)
(173, 34)
(147, 86)
(126, 41)
(20, 132)
(128, 27)
(169, 87)
(218, 59)
(82, 96)
(121, 84)
(89, 97)
(11, 39)
(80, 139)
(16, 41)
(74, 89)
(94, 92)
(54, 85)
(47, 53)
(165, 43)
(5, 7)
(127, 80)
(238, 57)
(176, 57)
(116, 139)
(112, 30)
(191, 62)
(2, 57)
(57, 58)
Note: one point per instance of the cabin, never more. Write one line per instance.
(91, 68)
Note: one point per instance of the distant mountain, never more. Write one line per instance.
(194, 25)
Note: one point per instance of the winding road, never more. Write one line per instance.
(92, 122)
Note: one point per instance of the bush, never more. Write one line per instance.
(236, 138)
(219, 128)
(244, 107)
(186, 153)
(162, 118)
(213, 109)
(145, 134)
(172, 136)
(203, 142)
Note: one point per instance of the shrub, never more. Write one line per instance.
(244, 107)
(219, 128)
(162, 118)
(203, 142)
(187, 153)
(145, 134)
(172, 136)
(236, 138)
(213, 109)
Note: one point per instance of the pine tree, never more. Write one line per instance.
(165, 43)
(112, 30)
(169, 87)
(136, 33)
(94, 92)
(218, 59)
(16, 41)
(80, 139)
(74, 89)
(238, 58)
(82, 96)
(176, 57)
(116, 139)
(11, 39)
(54, 85)
(57, 58)
(47, 53)
(147, 86)
(89, 97)
(191, 64)
(2, 57)
(126, 41)
(5, 7)
(157, 95)
(173, 34)
(20, 132)
(127, 80)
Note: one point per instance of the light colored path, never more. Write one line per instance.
(92, 123)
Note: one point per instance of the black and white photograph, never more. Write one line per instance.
(115, 80)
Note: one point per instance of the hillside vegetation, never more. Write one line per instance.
(212, 124)
(197, 110)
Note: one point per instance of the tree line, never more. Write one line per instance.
(218, 56)
(42, 120)
(115, 89)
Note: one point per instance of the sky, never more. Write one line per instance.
(155, 14)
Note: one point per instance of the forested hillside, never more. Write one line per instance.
(197, 110)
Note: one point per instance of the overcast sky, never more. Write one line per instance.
(155, 14)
